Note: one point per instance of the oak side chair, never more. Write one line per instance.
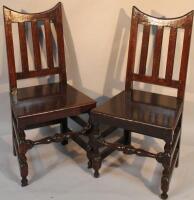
(146, 113)
(46, 104)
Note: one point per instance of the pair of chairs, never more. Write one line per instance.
(150, 114)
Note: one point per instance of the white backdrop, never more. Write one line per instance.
(96, 37)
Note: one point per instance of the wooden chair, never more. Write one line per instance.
(146, 113)
(41, 105)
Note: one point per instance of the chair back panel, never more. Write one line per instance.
(54, 16)
(159, 24)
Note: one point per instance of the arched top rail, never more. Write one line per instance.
(179, 22)
(12, 16)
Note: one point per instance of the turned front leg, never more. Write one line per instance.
(165, 181)
(94, 155)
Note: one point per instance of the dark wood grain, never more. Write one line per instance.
(36, 45)
(184, 60)
(144, 49)
(183, 22)
(49, 49)
(151, 114)
(10, 53)
(171, 54)
(53, 15)
(159, 81)
(41, 105)
(23, 47)
(33, 74)
(146, 113)
(132, 51)
(157, 52)
(61, 49)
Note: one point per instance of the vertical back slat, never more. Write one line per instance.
(23, 47)
(144, 49)
(157, 52)
(171, 53)
(49, 46)
(36, 45)
(132, 52)
(60, 43)
(184, 61)
(10, 56)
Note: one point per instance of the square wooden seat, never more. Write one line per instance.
(141, 111)
(44, 103)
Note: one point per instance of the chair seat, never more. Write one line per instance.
(43, 103)
(136, 109)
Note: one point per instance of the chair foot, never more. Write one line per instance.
(96, 165)
(164, 196)
(96, 174)
(23, 169)
(24, 182)
(94, 156)
(64, 142)
(89, 164)
(165, 181)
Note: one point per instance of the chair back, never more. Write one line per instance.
(52, 16)
(159, 24)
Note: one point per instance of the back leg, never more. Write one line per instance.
(22, 150)
(13, 141)
(127, 137)
(64, 128)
